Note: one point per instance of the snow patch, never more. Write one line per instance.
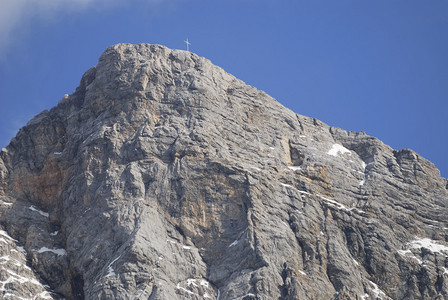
(110, 270)
(376, 290)
(5, 258)
(362, 182)
(204, 282)
(192, 281)
(58, 252)
(33, 208)
(21, 249)
(6, 235)
(184, 289)
(248, 295)
(5, 203)
(429, 244)
(54, 233)
(338, 205)
(363, 164)
(408, 253)
(286, 185)
(57, 153)
(294, 168)
(195, 283)
(301, 272)
(234, 243)
(337, 149)
(45, 295)
(186, 247)
(17, 278)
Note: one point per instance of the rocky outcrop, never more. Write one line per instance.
(164, 177)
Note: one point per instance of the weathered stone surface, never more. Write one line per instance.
(164, 177)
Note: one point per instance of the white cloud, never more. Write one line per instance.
(17, 15)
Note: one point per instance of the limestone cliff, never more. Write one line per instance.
(164, 177)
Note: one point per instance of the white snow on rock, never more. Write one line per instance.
(22, 249)
(363, 164)
(59, 252)
(419, 243)
(6, 235)
(429, 244)
(6, 203)
(5, 258)
(191, 281)
(408, 253)
(110, 270)
(337, 149)
(44, 295)
(179, 287)
(233, 244)
(33, 208)
(286, 185)
(338, 205)
(379, 294)
(193, 286)
(14, 277)
(294, 168)
(204, 282)
(363, 297)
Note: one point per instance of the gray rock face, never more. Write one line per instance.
(164, 177)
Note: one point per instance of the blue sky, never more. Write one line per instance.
(379, 66)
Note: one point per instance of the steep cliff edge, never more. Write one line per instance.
(164, 177)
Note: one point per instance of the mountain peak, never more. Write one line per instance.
(164, 177)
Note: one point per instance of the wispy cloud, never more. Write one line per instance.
(17, 15)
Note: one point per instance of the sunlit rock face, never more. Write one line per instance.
(164, 177)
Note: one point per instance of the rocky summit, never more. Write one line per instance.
(164, 177)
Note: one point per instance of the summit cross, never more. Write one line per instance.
(188, 44)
